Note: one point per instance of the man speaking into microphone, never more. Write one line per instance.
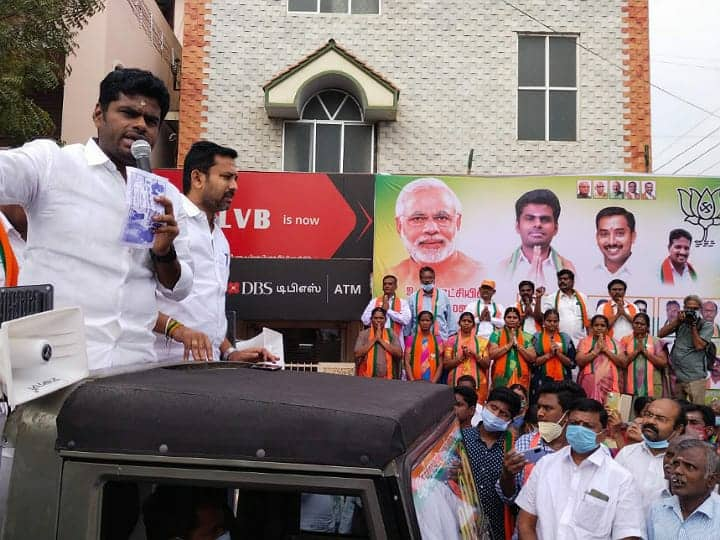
(74, 198)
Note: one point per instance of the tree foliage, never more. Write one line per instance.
(36, 36)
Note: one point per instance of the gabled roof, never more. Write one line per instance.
(331, 66)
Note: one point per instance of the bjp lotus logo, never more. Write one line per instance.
(701, 208)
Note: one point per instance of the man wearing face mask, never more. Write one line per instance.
(662, 421)
(431, 298)
(693, 334)
(554, 401)
(486, 446)
(579, 492)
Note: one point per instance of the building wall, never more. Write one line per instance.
(455, 66)
(115, 36)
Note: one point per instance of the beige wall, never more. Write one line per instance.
(116, 37)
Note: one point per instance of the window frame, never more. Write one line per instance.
(546, 88)
(341, 123)
(318, 12)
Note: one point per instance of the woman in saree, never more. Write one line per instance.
(377, 350)
(511, 351)
(645, 356)
(466, 354)
(555, 353)
(599, 358)
(424, 351)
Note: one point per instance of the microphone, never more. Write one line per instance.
(140, 150)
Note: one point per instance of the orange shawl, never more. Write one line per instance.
(9, 261)
(369, 367)
(636, 368)
(609, 312)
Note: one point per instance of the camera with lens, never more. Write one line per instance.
(691, 316)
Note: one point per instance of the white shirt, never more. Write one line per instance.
(558, 493)
(632, 273)
(571, 319)
(16, 243)
(524, 269)
(74, 198)
(647, 470)
(204, 308)
(622, 327)
(403, 316)
(529, 326)
(485, 328)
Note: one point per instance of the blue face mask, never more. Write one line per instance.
(655, 445)
(717, 421)
(428, 287)
(518, 421)
(583, 440)
(492, 423)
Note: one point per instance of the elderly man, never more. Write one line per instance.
(75, 200)
(693, 511)
(428, 217)
(632, 192)
(488, 313)
(583, 189)
(579, 491)
(709, 313)
(616, 192)
(662, 421)
(688, 355)
(536, 221)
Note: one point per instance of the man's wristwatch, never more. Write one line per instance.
(225, 355)
(169, 257)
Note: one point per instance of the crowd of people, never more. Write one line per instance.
(538, 387)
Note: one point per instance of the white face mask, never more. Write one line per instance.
(549, 431)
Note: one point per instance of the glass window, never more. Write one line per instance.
(443, 489)
(335, 6)
(227, 511)
(547, 88)
(329, 137)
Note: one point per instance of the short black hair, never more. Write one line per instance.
(133, 82)
(526, 282)
(426, 269)
(390, 276)
(468, 378)
(708, 414)
(507, 396)
(468, 394)
(679, 233)
(591, 406)
(616, 211)
(568, 392)
(617, 281)
(425, 312)
(672, 303)
(640, 403)
(566, 272)
(201, 157)
(538, 196)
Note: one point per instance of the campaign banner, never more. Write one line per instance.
(298, 289)
(661, 235)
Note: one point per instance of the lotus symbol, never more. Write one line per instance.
(701, 208)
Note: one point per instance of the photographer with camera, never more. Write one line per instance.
(692, 344)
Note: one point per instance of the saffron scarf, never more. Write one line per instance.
(521, 308)
(396, 326)
(510, 368)
(553, 368)
(370, 364)
(9, 261)
(433, 307)
(581, 303)
(608, 311)
(493, 313)
(666, 274)
(469, 367)
(424, 357)
(640, 372)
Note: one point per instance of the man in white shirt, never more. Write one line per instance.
(14, 233)
(489, 315)
(619, 312)
(398, 310)
(74, 197)
(572, 306)
(579, 492)
(663, 421)
(209, 185)
(615, 236)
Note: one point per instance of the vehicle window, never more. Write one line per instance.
(444, 495)
(147, 511)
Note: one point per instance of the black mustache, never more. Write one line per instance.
(652, 428)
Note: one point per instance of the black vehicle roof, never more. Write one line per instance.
(222, 411)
